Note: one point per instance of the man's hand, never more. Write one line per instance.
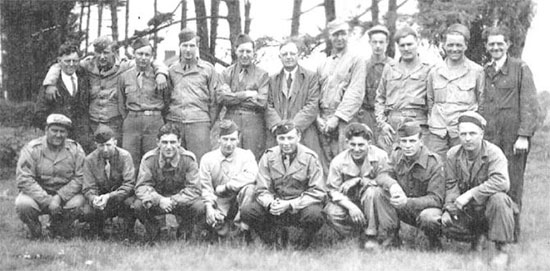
(166, 204)
(162, 83)
(220, 189)
(347, 185)
(100, 202)
(213, 216)
(463, 199)
(398, 198)
(331, 124)
(446, 219)
(250, 93)
(55, 205)
(387, 134)
(521, 145)
(278, 207)
(356, 214)
(321, 124)
(51, 93)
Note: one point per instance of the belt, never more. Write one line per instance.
(243, 110)
(411, 112)
(145, 113)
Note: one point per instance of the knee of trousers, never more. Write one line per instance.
(312, 214)
(499, 202)
(335, 213)
(429, 219)
(252, 211)
(25, 205)
(75, 202)
(375, 193)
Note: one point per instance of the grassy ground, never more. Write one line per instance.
(18, 253)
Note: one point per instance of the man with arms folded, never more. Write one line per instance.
(227, 175)
(109, 180)
(289, 189)
(49, 177)
(168, 183)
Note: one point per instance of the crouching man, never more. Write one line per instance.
(168, 183)
(289, 189)
(227, 175)
(49, 177)
(475, 193)
(109, 181)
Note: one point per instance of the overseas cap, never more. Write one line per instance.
(460, 29)
(59, 119)
(378, 29)
(284, 127)
(187, 34)
(228, 127)
(357, 129)
(409, 127)
(337, 25)
(473, 117)
(243, 38)
(101, 43)
(103, 133)
(140, 42)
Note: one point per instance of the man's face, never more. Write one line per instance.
(188, 49)
(408, 47)
(288, 142)
(471, 136)
(289, 56)
(228, 143)
(144, 56)
(245, 54)
(378, 43)
(69, 63)
(56, 135)
(358, 147)
(497, 46)
(168, 145)
(107, 149)
(455, 46)
(105, 57)
(339, 40)
(410, 145)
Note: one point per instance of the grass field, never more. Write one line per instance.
(532, 253)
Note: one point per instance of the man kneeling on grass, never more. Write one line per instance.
(49, 178)
(168, 183)
(109, 180)
(289, 189)
(476, 202)
(227, 175)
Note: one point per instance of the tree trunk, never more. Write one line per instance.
(80, 16)
(88, 25)
(99, 17)
(155, 26)
(391, 18)
(296, 12)
(330, 10)
(214, 13)
(374, 11)
(126, 20)
(183, 14)
(247, 19)
(234, 20)
(114, 19)
(202, 29)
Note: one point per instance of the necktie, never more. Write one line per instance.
(140, 79)
(242, 74)
(289, 81)
(73, 82)
(286, 161)
(108, 169)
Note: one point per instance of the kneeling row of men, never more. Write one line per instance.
(366, 190)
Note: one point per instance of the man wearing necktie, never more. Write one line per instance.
(109, 179)
(143, 104)
(290, 189)
(293, 95)
(245, 96)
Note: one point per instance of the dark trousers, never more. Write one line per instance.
(115, 207)
(253, 132)
(139, 134)
(195, 137)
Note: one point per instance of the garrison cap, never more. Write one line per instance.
(473, 117)
(284, 127)
(460, 29)
(357, 129)
(228, 127)
(243, 38)
(101, 43)
(103, 133)
(187, 34)
(337, 25)
(378, 29)
(59, 119)
(140, 42)
(409, 127)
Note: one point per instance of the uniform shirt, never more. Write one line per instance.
(178, 179)
(401, 90)
(511, 88)
(144, 98)
(236, 170)
(451, 93)
(374, 74)
(302, 183)
(121, 182)
(342, 82)
(193, 98)
(484, 176)
(422, 180)
(42, 173)
(254, 78)
(373, 171)
(103, 96)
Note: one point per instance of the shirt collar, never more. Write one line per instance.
(174, 163)
(292, 72)
(421, 158)
(498, 64)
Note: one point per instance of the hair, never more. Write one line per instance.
(457, 29)
(169, 128)
(495, 31)
(403, 32)
(293, 40)
(357, 129)
(67, 49)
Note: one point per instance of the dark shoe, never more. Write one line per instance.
(478, 243)
(434, 243)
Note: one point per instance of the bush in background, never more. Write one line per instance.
(11, 142)
(14, 114)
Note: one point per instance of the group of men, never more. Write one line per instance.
(361, 143)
